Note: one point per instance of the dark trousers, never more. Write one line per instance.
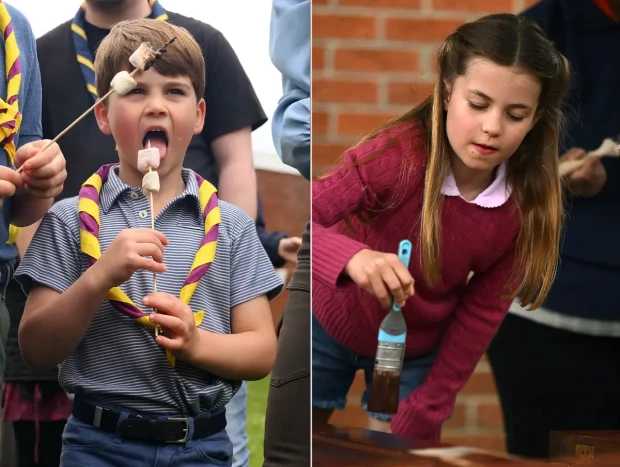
(287, 423)
(49, 443)
(550, 379)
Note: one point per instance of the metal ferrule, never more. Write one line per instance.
(390, 356)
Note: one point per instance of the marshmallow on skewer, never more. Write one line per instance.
(122, 83)
(150, 182)
(143, 57)
(148, 157)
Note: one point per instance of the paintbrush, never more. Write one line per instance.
(390, 353)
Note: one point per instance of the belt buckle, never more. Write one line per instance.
(185, 430)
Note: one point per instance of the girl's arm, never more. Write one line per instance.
(474, 323)
(367, 178)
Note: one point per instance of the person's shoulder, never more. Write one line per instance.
(194, 26)
(391, 147)
(49, 41)
(17, 17)
(66, 210)
(544, 13)
(234, 220)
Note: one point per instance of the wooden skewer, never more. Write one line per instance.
(148, 145)
(609, 147)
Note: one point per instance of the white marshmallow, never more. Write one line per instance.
(150, 182)
(142, 55)
(122, 83)
(146, 157)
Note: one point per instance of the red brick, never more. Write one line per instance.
(491, 442)
(473, 5)
(411, 4)
(361, 123)
(489, 415)
(318, 58)
(409, 93)
(325, 155)
(458, 417)
(424, 30)
(529, 3)
(319, 122)
(480, 383)
(347, 27)
(375, 60)
(325, 90)
(319, 2)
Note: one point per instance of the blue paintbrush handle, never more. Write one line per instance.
(404, 253)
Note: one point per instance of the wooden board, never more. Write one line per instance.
(332, 447)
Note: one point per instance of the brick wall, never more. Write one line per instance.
(373, 60)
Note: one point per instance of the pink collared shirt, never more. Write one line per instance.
(496, 194)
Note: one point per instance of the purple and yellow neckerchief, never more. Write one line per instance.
(90, 224)
(10, 116)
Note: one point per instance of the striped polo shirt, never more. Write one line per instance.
(118, 361)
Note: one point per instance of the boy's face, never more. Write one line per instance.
(160, 109)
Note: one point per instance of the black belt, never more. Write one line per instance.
(170, 430)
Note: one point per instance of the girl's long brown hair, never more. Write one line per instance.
(532, 172)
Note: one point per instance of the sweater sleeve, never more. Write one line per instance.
(475, 321)
(360, 182)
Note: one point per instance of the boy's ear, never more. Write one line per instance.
(101, 114)
(201, 109)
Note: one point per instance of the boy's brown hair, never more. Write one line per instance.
(183, 57)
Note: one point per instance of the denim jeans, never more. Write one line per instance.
(84, 445)
(236, 427)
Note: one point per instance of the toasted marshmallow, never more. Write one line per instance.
(142, 56)
(150, 182)
(122, 83)
(148, 157)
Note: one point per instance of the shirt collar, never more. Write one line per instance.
(495, 195)
(115, 187)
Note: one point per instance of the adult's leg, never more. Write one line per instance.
(287, 422)
(236, 418)
(549, 379)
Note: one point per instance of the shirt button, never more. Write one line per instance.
(142, 214)
(134, 195)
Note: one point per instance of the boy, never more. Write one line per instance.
(132, 406)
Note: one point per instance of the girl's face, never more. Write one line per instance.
(490, 109)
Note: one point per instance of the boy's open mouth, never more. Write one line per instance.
(158, 139)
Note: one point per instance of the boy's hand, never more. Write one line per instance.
(181, 336)
(128, 253)
(44, 172)
(377, 272)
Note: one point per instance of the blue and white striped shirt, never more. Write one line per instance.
(118, 362)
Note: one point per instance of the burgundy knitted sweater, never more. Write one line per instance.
(455, 317)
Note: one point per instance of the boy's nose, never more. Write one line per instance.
(155, 106)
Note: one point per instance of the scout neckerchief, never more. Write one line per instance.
(80, 41)
(90, 224)
(10, 116)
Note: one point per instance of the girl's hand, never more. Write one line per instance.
(377, 273)
(181, 336)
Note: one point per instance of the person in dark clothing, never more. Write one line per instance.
(556, 367)
(287, 438)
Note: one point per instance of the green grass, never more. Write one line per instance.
(257, 405)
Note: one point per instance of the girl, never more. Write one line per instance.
(471, 177)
